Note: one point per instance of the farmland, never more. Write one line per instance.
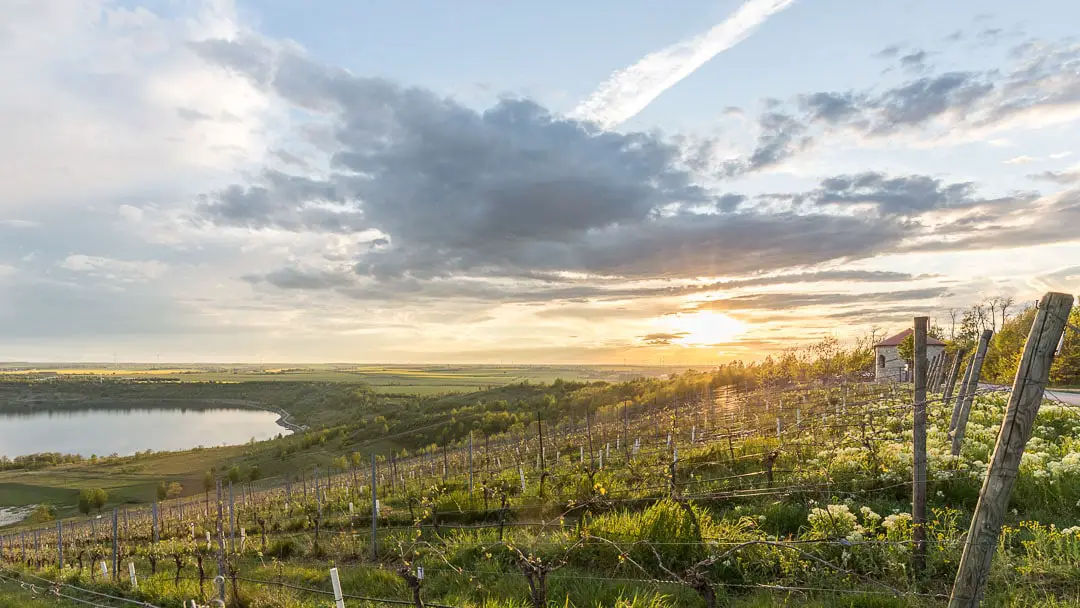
(390, 379)
(663, 493)
(734, 486)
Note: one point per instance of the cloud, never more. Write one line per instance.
(629, 90)
(914, 61)
(512, 189)
(111, 101)
(1040, 87)
(107, 268)
(1064, 178)
(889, 52)
(903, 195)
(785, 301)
(295, 278)
(19, 223)
(1020, 160)
(663, 339)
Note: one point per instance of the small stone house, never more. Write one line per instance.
(887, 362)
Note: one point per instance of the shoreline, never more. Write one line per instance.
(284, 419)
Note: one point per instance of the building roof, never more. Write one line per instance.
(898, 338)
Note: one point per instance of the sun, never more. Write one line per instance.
(704, 328)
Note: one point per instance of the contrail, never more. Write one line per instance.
(629, 90)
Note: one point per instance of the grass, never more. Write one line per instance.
(129, 481)
(395, 379)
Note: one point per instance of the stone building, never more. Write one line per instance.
(887, 362)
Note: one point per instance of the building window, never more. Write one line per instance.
(881, 361)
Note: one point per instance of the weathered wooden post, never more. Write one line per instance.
(115, 553)
(470, 465)
(221, 544)
(946, 396)
(1024, 402)
(960, 396)
(918, 490)
(375, 508)
(969, 394)
(59, 545)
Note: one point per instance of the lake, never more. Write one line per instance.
(126, 431)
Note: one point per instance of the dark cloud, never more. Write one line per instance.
(288, 202)
(1058, 177)
(192, 115)
(782, 301)
(1041, 77)
(295, 278)
(889, 52)
(915, 60)
(856, 276)
(781, 138)
(990, 34)
(905, 195)
(289, 158)
(662, 339)
(1020, 221)
(544, 287)
(917, 102)
(515, 189)
(831, 108)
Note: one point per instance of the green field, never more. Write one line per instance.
(389, 379)
(822, 522)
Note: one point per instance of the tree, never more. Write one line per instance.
(94, 498)
(174, 490)
(162, 490)
(234, 474)
(906, 349)
(86, 501)
(254, 473)
(208, 482)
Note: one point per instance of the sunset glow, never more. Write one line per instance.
(704, 328)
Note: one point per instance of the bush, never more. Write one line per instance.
(282, 549)
(42, 513)
(92, 499)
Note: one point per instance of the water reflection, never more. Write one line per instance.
(125, 431)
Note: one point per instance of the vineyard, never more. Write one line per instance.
(703, 495)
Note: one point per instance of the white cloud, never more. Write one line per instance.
(119, 270)
(19, 223)
(96, 113)
(1059, 155)
(629, 90)
(1020, 160)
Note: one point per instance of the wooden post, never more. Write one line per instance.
(375, 509)
(59, 545)
(969, 393)
(221, 545)
(232, 520)
(470, 465)
(588, 427)
(946, 396)
(918, 490)
(1027, 395)
(960, 396)
(115, 553)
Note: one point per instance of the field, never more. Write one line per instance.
(680, 493)
(389, 379)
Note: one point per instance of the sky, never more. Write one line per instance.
(561, 182)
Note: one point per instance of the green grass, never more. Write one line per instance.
(133, 480)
